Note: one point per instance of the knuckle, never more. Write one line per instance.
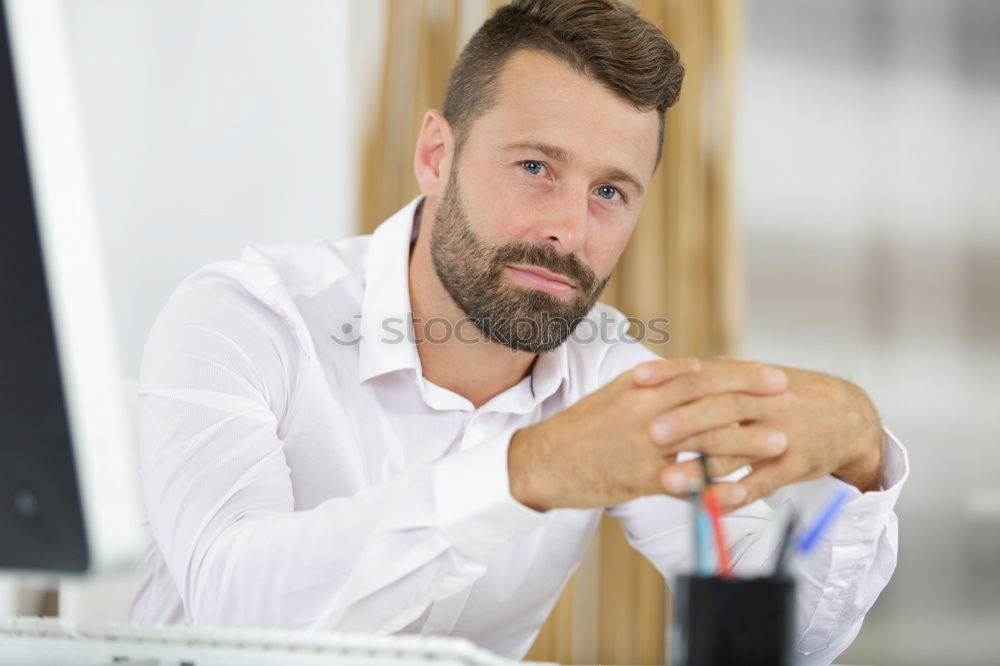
(649, 479)
(726, 465)
(695, 443)
(690, 362)
(717, 466)
(681, 420)
(708, 442)
(785, 402)
(636, 401)
(729, 405)
(701, 383)
(637, 430)
(652, 472)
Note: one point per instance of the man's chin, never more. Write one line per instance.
(531, 346)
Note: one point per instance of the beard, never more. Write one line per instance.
(508, 314)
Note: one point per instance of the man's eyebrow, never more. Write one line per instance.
(547, 149)
(625, 176)
(562, 155)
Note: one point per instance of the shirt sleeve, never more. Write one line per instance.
(836, 584)
(219, 373)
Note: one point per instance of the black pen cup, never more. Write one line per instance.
(744, 621)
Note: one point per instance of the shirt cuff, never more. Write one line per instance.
(864, 514)
(472, 498)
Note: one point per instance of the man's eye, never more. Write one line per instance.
(607, 192)
(532, 167)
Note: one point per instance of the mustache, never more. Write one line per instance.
(545, 257)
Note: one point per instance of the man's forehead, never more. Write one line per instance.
(541, 97)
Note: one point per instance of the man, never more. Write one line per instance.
(401, 432)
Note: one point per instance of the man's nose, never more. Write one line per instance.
(563, 220)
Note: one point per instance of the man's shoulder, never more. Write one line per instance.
(282, 277)
(298, 266)
(309, 267)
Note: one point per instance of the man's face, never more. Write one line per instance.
(540, 202)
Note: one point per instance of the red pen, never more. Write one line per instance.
(715, 513)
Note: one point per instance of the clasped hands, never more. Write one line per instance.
(622, 441)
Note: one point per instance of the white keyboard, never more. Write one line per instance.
(32, 641)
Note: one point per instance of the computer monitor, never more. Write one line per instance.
(68, 481)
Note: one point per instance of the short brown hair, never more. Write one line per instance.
(603, 39)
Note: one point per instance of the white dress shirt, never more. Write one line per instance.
(298, 471)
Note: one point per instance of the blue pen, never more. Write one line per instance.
(704, 560)
(706, 542)
(833, 507)
(704, 538)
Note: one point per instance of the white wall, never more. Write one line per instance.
(869, 148)
(211, 125)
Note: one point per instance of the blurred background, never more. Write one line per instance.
(827, 200)
(866, 197)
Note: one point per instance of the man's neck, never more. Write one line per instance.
(467, 363)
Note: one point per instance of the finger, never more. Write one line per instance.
(722, 377)
(754, 442)
(654, 373)
(706, 414)
(678, 480)
(767, 476)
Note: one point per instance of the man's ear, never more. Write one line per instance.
(433, 154)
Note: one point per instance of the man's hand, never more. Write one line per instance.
(621, 442)
(830, 425)
(610, 446)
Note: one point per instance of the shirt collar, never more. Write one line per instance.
(387, 342)
(387, 339)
